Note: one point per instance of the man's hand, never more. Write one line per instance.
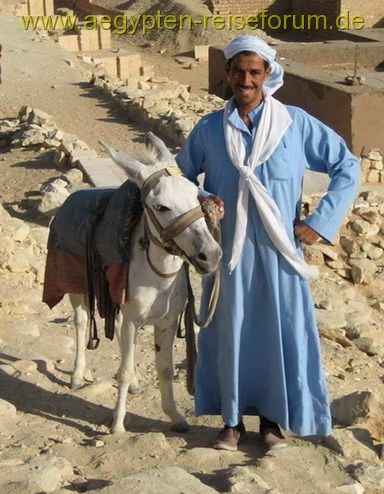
(305, 233)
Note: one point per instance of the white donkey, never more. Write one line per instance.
(172, 223)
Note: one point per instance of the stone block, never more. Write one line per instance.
(128, 66)
(69, 42)
(88, 39)
(105, 39)
(147, 71)
(21, 9)
(107, 64)
(373, 177)
(49, 8)
(201, 52)
(36, 7)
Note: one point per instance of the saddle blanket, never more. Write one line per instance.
(66, 273)
(110, 215)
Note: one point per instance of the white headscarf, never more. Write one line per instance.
(260, 47)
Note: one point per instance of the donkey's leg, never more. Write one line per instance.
(134, 387)
(126, 374)
(164, 337)
(81, 322)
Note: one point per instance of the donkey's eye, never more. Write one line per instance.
(160, 208)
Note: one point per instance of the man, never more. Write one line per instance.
(260, 355)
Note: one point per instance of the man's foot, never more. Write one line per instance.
(271, 435)
(273, 439)
(230, 437)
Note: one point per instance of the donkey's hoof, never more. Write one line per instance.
(134, 389)
(180, 427)
(117, 429)
(76, 384)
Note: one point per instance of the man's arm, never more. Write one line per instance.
(326, 152)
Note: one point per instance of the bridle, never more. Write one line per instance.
(166, 235)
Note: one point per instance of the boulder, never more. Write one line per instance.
(243, 481)
(363, 408)
(352, 443)
(169, 480)
(40, 474)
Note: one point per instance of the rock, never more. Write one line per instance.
(349, 246)
(359, 226)
(73, 176)
(41, 474)
(368, 476)
(60, 159)
(57, 185)
(362, 270)
(51, 202)
(371, 216)
(364, 408)
(332, 319)
(313, 256)
(7, 411)
(197, 458)
(81, 154)
(372, 252)
(352, 443)
(24, 113)
(169, 480)
(354, 488)
(324, 304)
(243, 481)
(370, 342)
(17, 229)
(25, 366)
(39, 235)
(94, 390)
(357, 322)
(335, 265)
(375, 155)
(18, 263)
(327, 251)
(33, 138)
(38, 117)
(7, 248)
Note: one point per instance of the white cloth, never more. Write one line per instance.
(260, 47)
(275, 120)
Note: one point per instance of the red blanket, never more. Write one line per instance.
(66, 273)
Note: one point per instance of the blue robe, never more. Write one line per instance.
(261, 353)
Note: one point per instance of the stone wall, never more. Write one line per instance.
(372, 11)
(249, 7)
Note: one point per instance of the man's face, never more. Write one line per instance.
(246, 76)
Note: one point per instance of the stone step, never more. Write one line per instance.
(102, 172)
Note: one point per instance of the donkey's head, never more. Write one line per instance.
(171, 205)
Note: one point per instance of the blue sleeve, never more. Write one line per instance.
(191, 157)
(326, 152)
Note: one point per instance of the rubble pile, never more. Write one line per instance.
(358, 257)
(33, 128)
(166, 107)
(372, 167)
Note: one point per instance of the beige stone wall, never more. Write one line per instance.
(372, 11)
(249, 7)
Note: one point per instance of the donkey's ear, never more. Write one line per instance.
(159, 149)
(135, 170)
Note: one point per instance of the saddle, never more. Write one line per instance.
(96, 225)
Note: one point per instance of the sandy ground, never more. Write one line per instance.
(52, 420)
